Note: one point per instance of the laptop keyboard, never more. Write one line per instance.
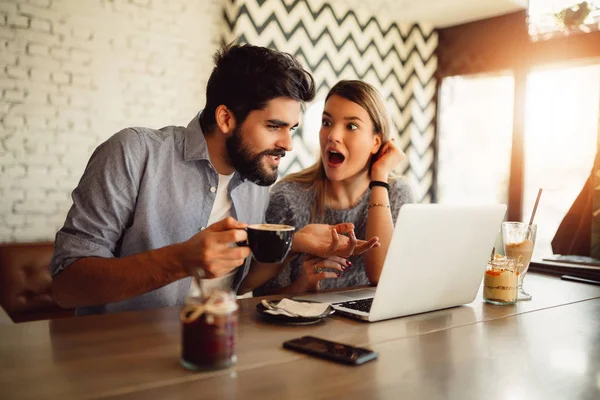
(360, 305)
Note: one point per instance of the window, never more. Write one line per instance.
(475, 135)
(549, 18)
(561, 134)
(560, 141)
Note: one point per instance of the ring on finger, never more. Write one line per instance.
(318, 270)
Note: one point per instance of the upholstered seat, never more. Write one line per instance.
(25, 282)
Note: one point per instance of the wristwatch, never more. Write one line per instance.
(379, 183)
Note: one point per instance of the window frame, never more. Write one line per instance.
(498, 44)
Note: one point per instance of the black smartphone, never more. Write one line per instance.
(332, 351)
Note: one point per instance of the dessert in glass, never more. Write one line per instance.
(500, 281)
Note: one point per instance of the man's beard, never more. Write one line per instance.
(249, 165)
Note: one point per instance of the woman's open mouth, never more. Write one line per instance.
(335, 158)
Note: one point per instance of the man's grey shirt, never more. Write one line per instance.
(145, 189)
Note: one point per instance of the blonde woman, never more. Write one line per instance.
(351, 182)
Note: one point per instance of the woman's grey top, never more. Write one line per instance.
(291, 204)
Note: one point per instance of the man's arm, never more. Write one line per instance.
(96, 280)
(103, 204)
(93, 281)
(85, 268)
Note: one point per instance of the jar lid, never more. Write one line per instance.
(218, 303)
(501, 261)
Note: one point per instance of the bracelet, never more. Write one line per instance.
(379, 183)
(377, 205)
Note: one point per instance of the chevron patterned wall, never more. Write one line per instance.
(337, 42)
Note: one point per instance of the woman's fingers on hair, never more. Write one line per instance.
(402, 155)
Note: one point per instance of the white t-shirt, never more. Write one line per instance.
(222, 206)
(221, 210)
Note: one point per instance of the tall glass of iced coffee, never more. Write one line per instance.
(519, 239)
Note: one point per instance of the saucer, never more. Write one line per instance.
(285, 319)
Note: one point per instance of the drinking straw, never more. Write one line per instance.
(537, 201)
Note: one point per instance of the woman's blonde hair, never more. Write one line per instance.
(366, 96)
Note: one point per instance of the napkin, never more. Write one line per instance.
(289, 308)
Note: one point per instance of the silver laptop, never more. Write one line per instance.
(437, 259)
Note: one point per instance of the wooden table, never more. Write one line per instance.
(542, 349)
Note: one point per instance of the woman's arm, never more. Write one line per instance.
(319, 240)
(380, 221)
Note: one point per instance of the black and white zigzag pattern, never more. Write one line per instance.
(335, 42)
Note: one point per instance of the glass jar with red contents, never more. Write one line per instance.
(209, 331)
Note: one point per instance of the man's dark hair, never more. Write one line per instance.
(245, 78)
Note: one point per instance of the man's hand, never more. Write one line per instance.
(215, 250)
(323, 241)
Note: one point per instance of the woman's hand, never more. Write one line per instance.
(389, 158)
(315, 269)
(325, 240)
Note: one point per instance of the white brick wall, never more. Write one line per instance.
(72, 73)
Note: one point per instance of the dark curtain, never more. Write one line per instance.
(574, 234)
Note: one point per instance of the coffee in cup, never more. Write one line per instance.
(270, 243)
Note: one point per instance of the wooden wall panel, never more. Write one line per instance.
(503, 43)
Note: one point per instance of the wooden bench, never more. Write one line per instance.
(25, 282)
